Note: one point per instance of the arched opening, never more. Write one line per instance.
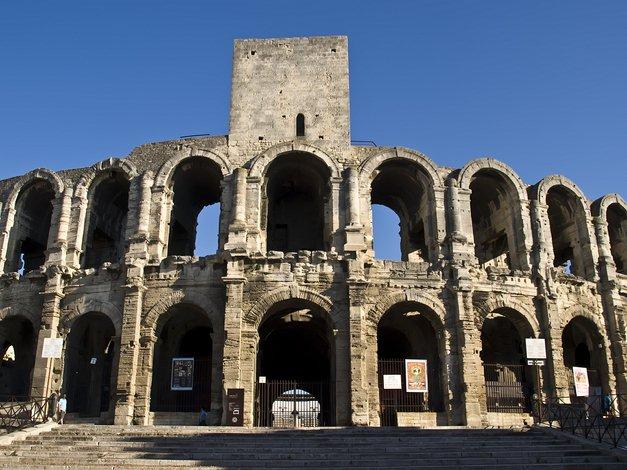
(617, 228)
(568, 231)
(31, 228)
(295, 367)
(509, 380)
(17, 357)
(105, 235)
(402, 186)
(495, 212)
(300, 125)
(297, 195)
(88, 364)
(181, 380)
(387, 242)
(409, 331)
(583, 346)
(196, 188)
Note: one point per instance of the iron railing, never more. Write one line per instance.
(19, 414)
(394, 401)
(295, 404)
(508, 388)
(602, 418)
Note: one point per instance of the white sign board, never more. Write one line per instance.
(53, 348)
(93, 360)
(536, 348)
(392, 382)
(582, 386)
(262, 379)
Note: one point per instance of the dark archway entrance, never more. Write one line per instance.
(89, 360)
(295, 367)
(509, 380)
(297, 198)
(583, 346)
(184, 338)
(409, 330)
(17, 356)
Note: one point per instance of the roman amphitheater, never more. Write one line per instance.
(295, 308)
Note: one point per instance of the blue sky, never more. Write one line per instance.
(539, 85)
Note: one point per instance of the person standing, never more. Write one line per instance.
(62, 409)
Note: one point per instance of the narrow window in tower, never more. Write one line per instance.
(300, 125)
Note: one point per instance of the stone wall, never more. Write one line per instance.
(351, 288)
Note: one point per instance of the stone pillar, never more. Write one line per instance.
(237, 227)
(354, 230)
(58, 238)
(231, 361)
(359, 348)
(136, 258)
(46, 372)
(129, 347)
(333, 230)
(471, 406)
(76, 233)
(5, 235)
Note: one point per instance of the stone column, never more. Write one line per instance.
(136, 258)
(237, 227)
(473, 407)
(354, 230)
(359, 348)
(58, 238)
(46, 372)
(5, 235)
(129, 347)
(234, 284)
(77, 228)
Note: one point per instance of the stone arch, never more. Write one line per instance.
(84, 306)
(367, 168)
(523, 313)
(255, 315)
(540, 190)
(599, 207)
(411, 295)
(151, 319)
(468, 171)
(87, 181)
(38, 174)
(590, 313)
(165, 173)
(18, 310)
(260, 163)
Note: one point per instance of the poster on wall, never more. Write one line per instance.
(182, 373)
(416, 376)
(53, 348)
(582, 386)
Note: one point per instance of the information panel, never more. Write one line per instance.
(182, 373)
(53, 348)
(235, 406)
(416, 376)
(582, 386)
(536, 348)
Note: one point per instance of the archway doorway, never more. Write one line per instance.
(583, 346)
(89, 360)
(182, 371)
(509, 380)
(17, 357)
(296, 203)
(409, 331)
(295, 367)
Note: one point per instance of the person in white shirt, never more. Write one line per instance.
(61, 409)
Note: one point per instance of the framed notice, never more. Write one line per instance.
(53, 348)
(392, 382)
(536, 348)
(182, 373)
(582, 386)
(416, 376)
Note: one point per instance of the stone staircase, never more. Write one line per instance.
(114, 447)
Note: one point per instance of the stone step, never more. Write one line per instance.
(588, 466)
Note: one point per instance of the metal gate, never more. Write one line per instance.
(397, 400)
(508, 388)
(295, 404)
(163, 398)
